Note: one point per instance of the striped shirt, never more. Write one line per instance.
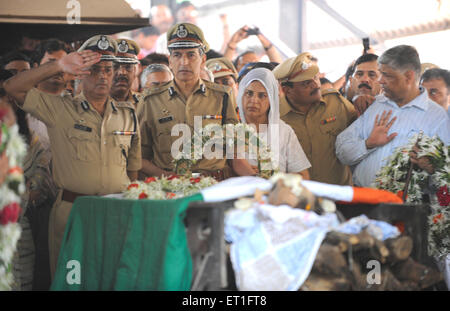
(419, 114)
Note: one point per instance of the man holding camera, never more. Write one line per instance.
(250, 56)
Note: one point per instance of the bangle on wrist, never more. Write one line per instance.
(268, 48)
(231, 48)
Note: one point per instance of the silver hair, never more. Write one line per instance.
(154, 68)
(402, 58)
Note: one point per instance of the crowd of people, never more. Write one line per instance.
(99, 116)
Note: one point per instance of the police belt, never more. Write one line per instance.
(70, 196)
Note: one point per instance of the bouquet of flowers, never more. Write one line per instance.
(166, 188)
(392, 177)
(12, 186)
(228, 137)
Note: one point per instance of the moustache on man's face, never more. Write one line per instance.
(121, 79)
(364, 85)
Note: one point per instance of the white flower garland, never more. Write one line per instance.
(392, 177)
(229, 139)
(10, 191)
(166, 188)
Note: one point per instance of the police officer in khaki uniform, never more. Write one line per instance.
(94, 139)
(125, 71)
(224, 72)
(179, 101)
(317, 118)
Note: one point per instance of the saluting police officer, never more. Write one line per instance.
(125, 70)
(179, 101)
(92, 136)
(317, 118)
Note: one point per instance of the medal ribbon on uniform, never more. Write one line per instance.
(213, 117)
(330, 119)
(124, 133)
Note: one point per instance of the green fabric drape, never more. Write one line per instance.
(125, 245)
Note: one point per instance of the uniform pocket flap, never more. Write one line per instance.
(80, 134)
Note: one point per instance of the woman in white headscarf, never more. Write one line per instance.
(258, 104)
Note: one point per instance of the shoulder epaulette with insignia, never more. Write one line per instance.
(156, 90)
(136, 97)
(329, 91)
(327, 95)
(85, 105)
(124, 105)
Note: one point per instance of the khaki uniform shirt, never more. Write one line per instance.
(165, 106)
(87, 157)
(132, 98)
(317, 131)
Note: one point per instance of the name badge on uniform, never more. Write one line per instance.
(166, 119)
(329, 120)
(83, 128)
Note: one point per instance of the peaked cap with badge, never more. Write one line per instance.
(102, 44)
(296, 69)
(186, 36)
(221, 67)
(127, 51)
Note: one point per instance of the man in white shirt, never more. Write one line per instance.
(399, 113)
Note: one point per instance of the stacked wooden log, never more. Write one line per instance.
(346, 262)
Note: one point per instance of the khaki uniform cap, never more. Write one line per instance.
(221, 67)
(296, 69)
(186, 36)
(87, 157)
(102, 44)
(127, 51)
(317, 131)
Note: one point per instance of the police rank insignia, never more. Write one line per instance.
(182, 32)
(123, 46)
(217, 67)
(305, 65)
(103, 43)
(171, 91)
